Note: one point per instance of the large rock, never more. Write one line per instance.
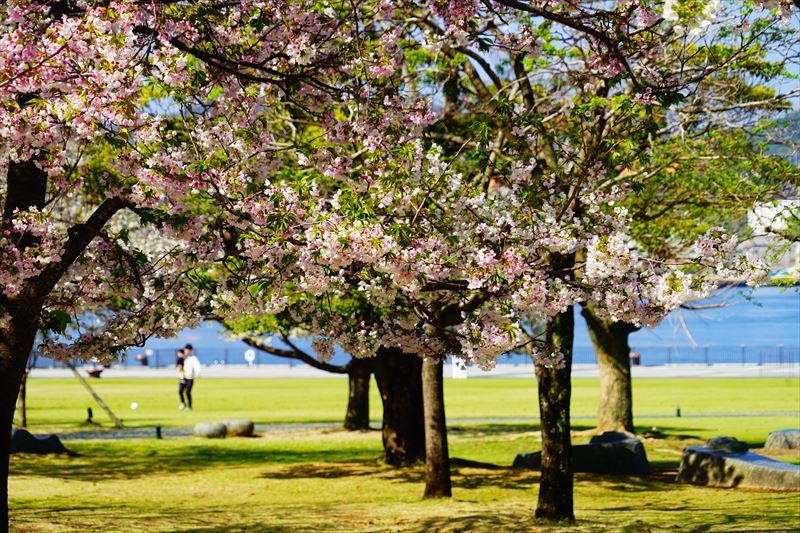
(23, 442)
(210, 430)
(702, 465)
(784, 439)
(240, 427)
(726, 444)
(609, 453)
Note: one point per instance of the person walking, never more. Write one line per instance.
(179, 359)
(191, 369)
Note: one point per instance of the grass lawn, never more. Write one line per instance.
(331, 480)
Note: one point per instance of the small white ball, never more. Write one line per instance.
(134, 405)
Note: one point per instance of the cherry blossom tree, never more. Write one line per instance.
(729, 77)
(169, 160)
(695, 183)
(471, 254)
(126, 151)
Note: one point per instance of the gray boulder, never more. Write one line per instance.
(726, 444)
(609, 453)
(718, 468)
(240, 427)
(784, 439)
(210, 430)
(611, 436)
(22, 441)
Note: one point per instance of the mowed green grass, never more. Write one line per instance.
(332, 480)
(60, 404)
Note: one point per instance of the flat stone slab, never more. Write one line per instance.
(239, 427)
(717, 468)
(22, 441)
(210, 430)
(609, 453)
(785, 439)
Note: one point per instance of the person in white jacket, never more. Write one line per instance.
(191, 369)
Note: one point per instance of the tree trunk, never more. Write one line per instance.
(358, 376)
(22, 408)
(437, 458)
(399, 379)
(26, 187)
(16, 343)
(555, 486)
(610, 339)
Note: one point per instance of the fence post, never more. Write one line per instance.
(226, 357)
(705, 353)
(744, 353)
(669, 355)
(780, 354)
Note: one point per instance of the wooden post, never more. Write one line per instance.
(22, 406)
(117, 422)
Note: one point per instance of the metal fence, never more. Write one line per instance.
(649, 355)
(166, 357)
(704, 355)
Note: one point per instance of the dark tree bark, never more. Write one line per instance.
(22, 403)
(437, 457)
(610, 339)
(555, 488)
(15, 345)
(26, 187)
(399, 379)
(359, 372)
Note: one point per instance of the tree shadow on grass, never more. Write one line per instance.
(475, 522)
(627, 483)
(257, 527)
(668, 432)
(497, 429)
(123, 460)
(462, 477)
(471, 478)
(325, 470)
(116, 464)
(508, 479)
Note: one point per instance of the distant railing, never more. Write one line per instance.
(649, 355)
(707, 354)
(166, 358)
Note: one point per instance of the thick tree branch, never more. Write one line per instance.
(294, 353)
(79, 238)
(576, 23)
(452, 314)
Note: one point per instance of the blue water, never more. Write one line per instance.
(771, 317)
(758, 327)
(761, 326)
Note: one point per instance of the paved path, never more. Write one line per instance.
(501, 371)
(145, 433)
(148, 433)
